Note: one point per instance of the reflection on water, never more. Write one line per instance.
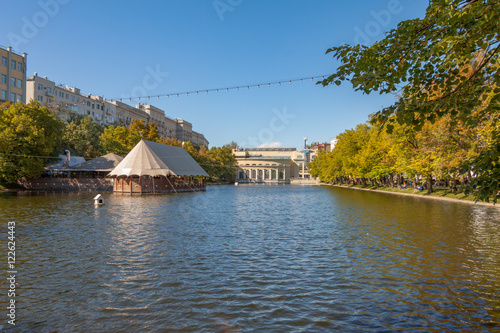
(254, 258)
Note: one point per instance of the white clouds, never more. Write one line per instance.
(274, 144)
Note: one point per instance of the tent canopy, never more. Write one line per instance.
(156, 159)
(104, 163)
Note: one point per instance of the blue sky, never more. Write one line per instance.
(119, 49)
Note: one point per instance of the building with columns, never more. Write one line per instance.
(12, 75)
(272, 165)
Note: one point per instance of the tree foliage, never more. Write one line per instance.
(120, 140)
(28, 135)
(82, 137)
(224, 162)
(436, 152)
(445, 64)
(218, 162)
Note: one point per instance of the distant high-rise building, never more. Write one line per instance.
(333, 142)
(13, 76)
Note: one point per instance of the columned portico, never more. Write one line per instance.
(266, 165)
(262, 174)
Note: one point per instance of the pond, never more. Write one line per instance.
(252, 258)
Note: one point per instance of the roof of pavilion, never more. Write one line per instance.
(156, 159)
(104, 163)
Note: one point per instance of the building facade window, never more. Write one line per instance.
(40, 87)
(40, 98)
(19, 83)
(67, 96)
(13, 64)
(12, 97)
(72, 98)
(3, 94)
(4, 61)
(20, 66)
(13, 81)
(4, 79)
(49, 90)
(19, 98)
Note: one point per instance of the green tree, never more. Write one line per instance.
(28, 134)
(115, 140)
(445, 63)
(121, 140)
(218, 162)
(82, 137)
(148, 132)
(225, 162)
(172, 142)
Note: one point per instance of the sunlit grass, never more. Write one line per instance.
(438, 192)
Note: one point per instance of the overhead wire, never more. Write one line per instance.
(227, 89)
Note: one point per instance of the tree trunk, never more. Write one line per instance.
(398, 181)
(429, 185)
(454, 185)
(469, 177)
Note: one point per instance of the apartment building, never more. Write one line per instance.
(67, 101)
(12, 76)
(179, 129)
(126, 113)
(166, 126)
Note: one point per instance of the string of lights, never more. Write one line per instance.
(217, 90)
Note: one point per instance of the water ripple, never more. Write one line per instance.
(255, 258)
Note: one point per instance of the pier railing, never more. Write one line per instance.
(67, 184)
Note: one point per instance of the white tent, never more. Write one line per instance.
(157, 159)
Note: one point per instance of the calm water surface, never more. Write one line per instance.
(253, 259)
